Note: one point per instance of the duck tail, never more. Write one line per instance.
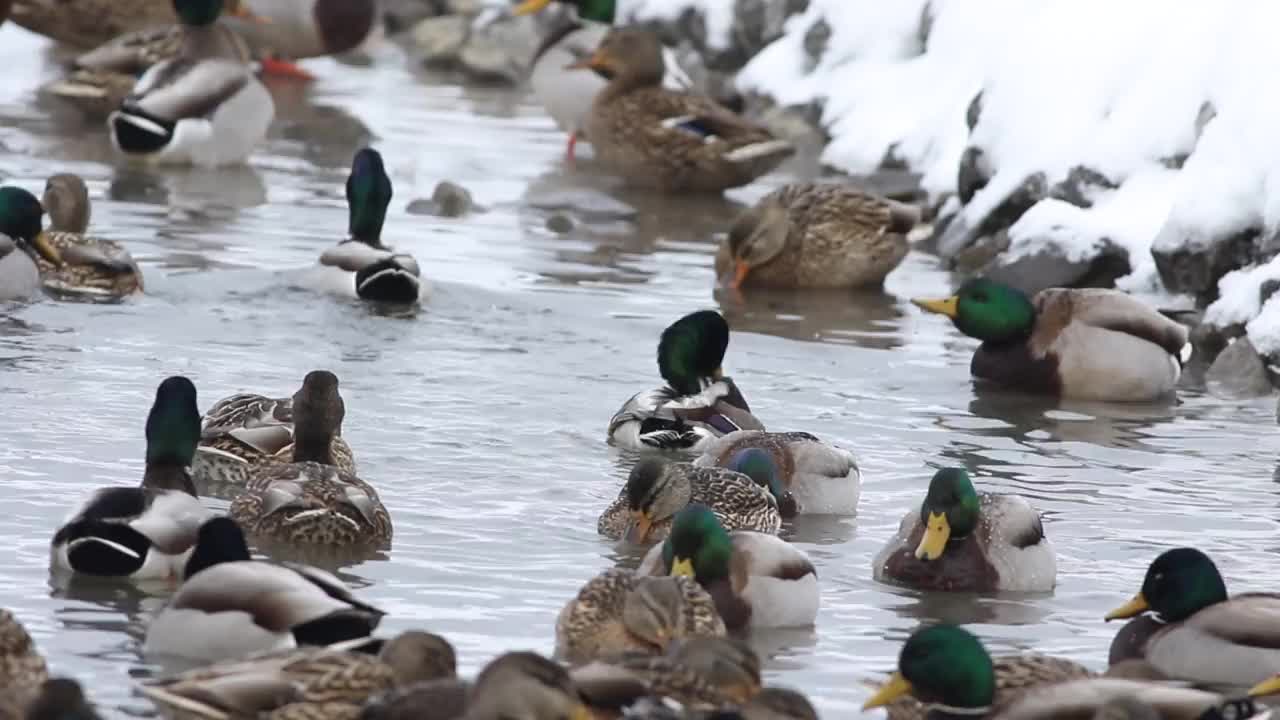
(388, 280)
(105, 549)
(136, 133)
(759, 150)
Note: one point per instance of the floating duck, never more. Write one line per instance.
(22, 668)
(806, 475)
(89, 267)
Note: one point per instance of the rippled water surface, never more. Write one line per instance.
(481, 416)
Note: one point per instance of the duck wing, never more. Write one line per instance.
(181, 88)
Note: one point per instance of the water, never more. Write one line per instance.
(481, 416)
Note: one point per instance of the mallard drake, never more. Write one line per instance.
(565, 93)
(617, 612)
(697, 404)
(59, 699)
(330, 682)
(21, 242)
(945, 669)
(310, 500)
(666, 140)
(230, 606)
(89, 23)
(757, 580)
(245, 431)
(657, 489)
(22, 669)
(1086, 344)
(146, 532)
(361, 263)
(966, 541)
(1236, 639)
(90, 267)
(204, 107)
(816, 235)
(805, 474)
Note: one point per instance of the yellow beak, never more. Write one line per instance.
(936, 534)
(581, 712)
(640, 527)
(1270, 686)
(528, 7)
(682, 567)
(47, 250)
(1136, 606)
(894, 688)
(948, 307)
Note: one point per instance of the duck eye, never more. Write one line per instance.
(980, 296)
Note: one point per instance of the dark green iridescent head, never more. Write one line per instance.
(987, 310)
(759, 465)
(692, 349)
(20, 214)
(198, 13)
(698, 542)
(1182, 582)
(368, 195)
(601, 11)
(947, 665)
(951, 494)
(173, 426)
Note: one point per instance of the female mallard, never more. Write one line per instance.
(361, 264)
(699, 673)
(89, 267)
(666, 140)
(1081, 344)
(89, 23)
(697, 404)
(567, 93)
(146, 532)
(812, 235)
(204, 107)
(807, 475)
(966, 541)
(656, 490)
(943, 669)
(310, 500)
(22, 669)
(1237, 641)
(757, 580)
(21, 242)
(332, 682)
(618, 612)
(58, 699)
(230, 606)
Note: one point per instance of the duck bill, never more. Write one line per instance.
(596, 61)
(529, 7)
(639, 529)
(894, 688)
(682, 567)
(581, 712)
(1134, 607)
(936, 534)
(1270, 686)
(45, 248)
(740, 272)
(949, 306)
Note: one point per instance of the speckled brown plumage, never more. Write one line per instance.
(828, 236)
(1015, 675)
(595, 623)
(736, 500)
(701, 673)
(90, 280)
(22, 669)
(89, 23)
(312, 504)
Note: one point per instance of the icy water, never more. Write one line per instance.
(481, 416)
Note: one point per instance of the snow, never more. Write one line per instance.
(717, 15)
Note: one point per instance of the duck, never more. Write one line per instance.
(567, 94)
(146, 532)
(945, 669)
(334, 681)
(816, 236)
(618, 612)
(90, 267)
(1079, 344)
(757, 580)
(22, 240)
(244, 431)
(779, 703)
(961, 540)
(60, 699)
(664, 140)
(657, 489)
(204, 107)
(1237, 643)
(807, 476)
(310, 500)
(5, 7)
(698, 402)
(229, 605)
(361, 264)
(22, 668)
(89, 23)
(700, 673)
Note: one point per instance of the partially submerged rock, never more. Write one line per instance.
(1239, 371)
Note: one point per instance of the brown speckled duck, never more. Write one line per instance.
(22, 669)
(91, 267)
(806, 475)
(668, 140)
(812, 235)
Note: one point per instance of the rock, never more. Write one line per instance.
(1047, 266)
(979, 255)
(756, 23)
(974, 112)
(1239, 371)
(451, 199)
(816, 39)
(401, 15)
(470, 8)
(560, 223)
(1195, 264)
(963, 232)
(974, 173)
(501, 51)
(1266, 290)
(1208, 340)
(1077, 189)
(440, 40)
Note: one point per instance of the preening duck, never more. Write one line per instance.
(963, 540)
(1086, 344)
(806, 475)
(147, 532)
(698, 403)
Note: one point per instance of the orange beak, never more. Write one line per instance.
(595, 61)
(243, 12)
(740, 272)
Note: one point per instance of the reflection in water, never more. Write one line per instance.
(865, 318)
(969, 608)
